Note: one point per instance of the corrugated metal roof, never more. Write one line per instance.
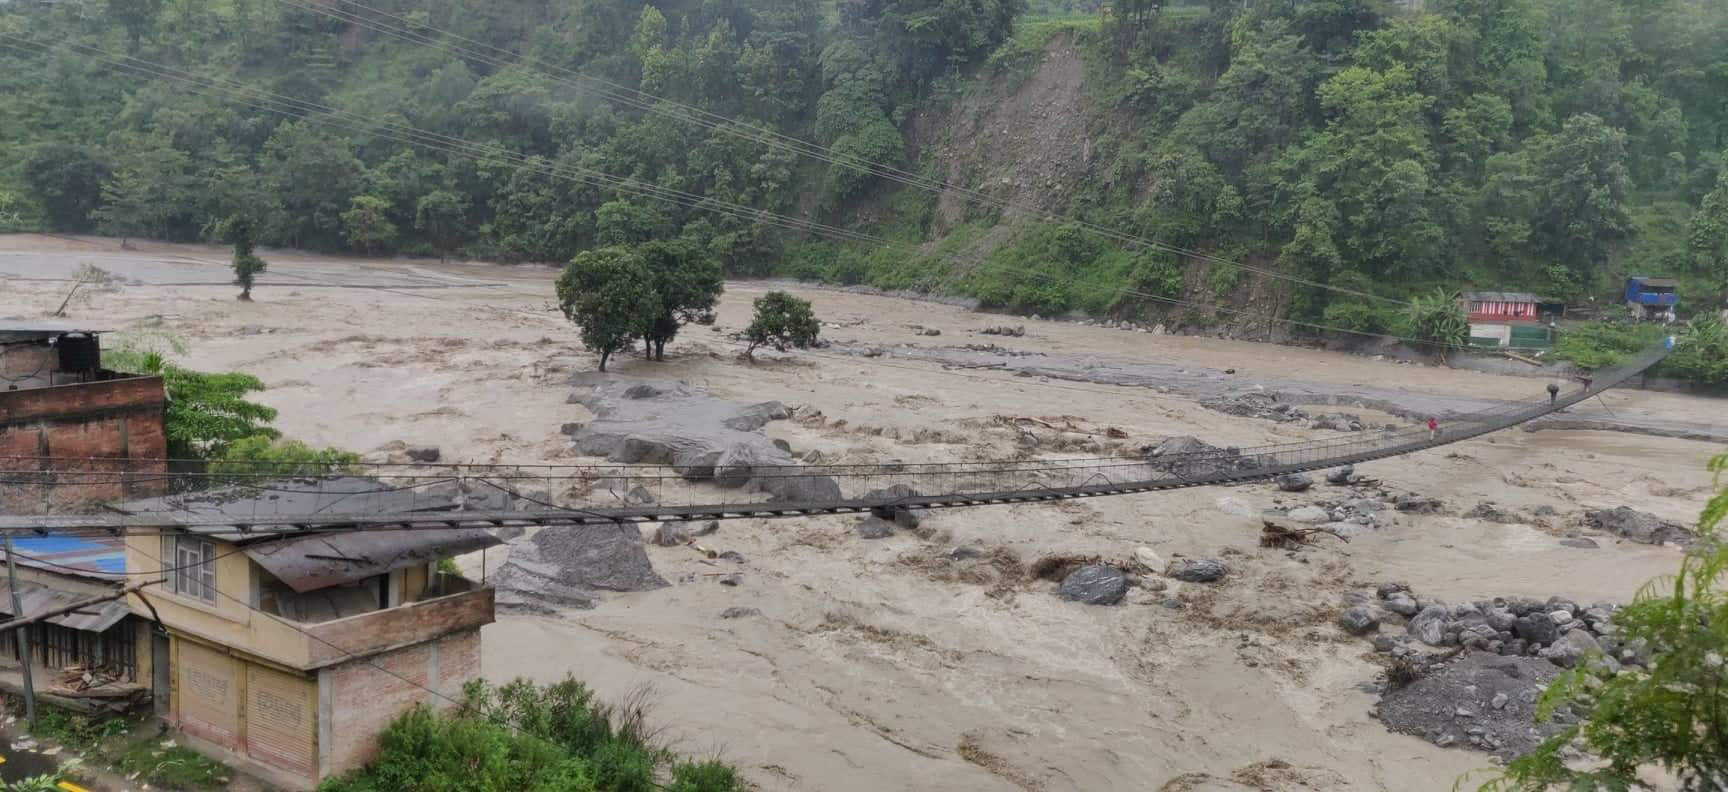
(1501, 296)
(1665, 283)
(36, 598)
(320, 561)
(289, 496)
(103, 558)
(329, 559)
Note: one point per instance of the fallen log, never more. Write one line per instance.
(1289, 537)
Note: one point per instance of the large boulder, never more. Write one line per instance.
(1309, 514)
(568, 565)
(1537, 628)
(1402, 604)
(1294, 482)
(900, 515)
(1429, 626)
(672, 534)
(1418, 504)
(1196, 570)
(1340, 476)
(1641, 527)
(1359, 620)
(1094, 584)
(873, 527)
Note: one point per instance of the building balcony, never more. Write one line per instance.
(329, 642)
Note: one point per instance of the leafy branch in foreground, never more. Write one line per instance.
(207, 413)
(1675, 714)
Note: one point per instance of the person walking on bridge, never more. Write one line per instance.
(1433, 428)
(1553, 392)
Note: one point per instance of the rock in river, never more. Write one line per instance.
(1094, 584)
(1358, 620)
(1196, 570)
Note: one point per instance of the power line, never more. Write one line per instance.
(410, 30)
(299, 109)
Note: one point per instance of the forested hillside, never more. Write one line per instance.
(1554, 145)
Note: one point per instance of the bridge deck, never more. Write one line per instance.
(1106, 477)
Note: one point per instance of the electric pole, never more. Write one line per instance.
(23, 634)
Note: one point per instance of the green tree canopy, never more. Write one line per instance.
(367, 224)
(781, 321)
(207, 413)
(686, 282)
(66, 179)
(247, 265)
(609, 294)
(441, 214)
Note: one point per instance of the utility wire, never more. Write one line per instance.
(301, 109)
(420, 33)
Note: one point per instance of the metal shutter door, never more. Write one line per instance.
(206, 698)
(281, 720)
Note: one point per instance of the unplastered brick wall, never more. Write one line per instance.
(362, 697)
(59, 430)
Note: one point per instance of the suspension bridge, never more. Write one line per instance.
(61, 496)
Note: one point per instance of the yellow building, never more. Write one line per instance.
(286, 653)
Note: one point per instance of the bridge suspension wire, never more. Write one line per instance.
(659, 493)
(326, 116)
(417, 32)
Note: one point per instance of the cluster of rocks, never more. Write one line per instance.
(1479, 701)
(1557, 630)
(1011, 331)
(1490, 511)
(701, 437)
(397, 452)
(1346, 517)
(1641, 527)
(1190, 456)
(1108, 584)
(1267, 405)
(1119, 324)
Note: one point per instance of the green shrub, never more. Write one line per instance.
(1359, 316)
(1600, 344)
(546, 738)
(710, 776)
(425, 751)
(265, 455)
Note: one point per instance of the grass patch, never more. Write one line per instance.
(1025, 48)
(173, 766)
(555, 738)
(154, 762)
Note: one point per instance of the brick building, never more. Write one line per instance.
(60, 411)
(286, 654)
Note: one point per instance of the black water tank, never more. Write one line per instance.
(79, 352)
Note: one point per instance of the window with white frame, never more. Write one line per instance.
(191, 566)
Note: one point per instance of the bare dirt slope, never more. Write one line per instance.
(879, 665)
(1027, 144)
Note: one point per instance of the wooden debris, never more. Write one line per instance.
(1289, 537)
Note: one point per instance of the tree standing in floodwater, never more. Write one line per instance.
(246, 265)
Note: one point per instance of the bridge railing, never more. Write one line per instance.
(259, 492)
